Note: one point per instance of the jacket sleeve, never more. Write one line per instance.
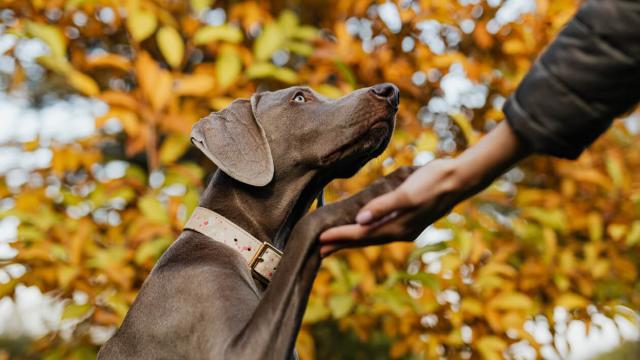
(587, 76)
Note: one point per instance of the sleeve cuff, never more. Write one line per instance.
(537, 137)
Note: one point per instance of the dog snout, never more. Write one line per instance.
(388, 92)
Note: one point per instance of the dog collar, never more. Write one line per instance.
(261, 257)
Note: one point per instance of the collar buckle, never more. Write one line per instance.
(258, 258)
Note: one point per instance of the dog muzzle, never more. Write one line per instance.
(262, 257)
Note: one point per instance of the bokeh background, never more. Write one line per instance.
(97, 176)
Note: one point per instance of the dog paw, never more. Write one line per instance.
(345, 211)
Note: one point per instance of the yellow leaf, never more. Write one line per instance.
(261, 70)
(469, 132)
(141, 24)
(128, 119)
(171, 45)
(305, 346)
(173, 147)
(194, 85)
(228, 67)
(617, 231)
(199, 5)
(266, 69)
(153, 209)
(57, 64)
(109, 60)
(594, 223)
(208, 34)
(300, 48)
(511, 301)
(288, 21)
(316, 311)
(305, 32)
(220, 103)
(83, 83)
(514, 47)
(571, 301)
(156, 83)
(633, 237)
(286, 75)
(329, 91)
(152, 249)
(471, 306)
(428, 141)
(491, 347)
(50, 34)
(119, 99)
(66, 274)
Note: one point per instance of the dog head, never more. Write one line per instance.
(293, 131)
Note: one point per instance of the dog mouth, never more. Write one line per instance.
(367, 144)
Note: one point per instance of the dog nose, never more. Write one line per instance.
(387, 91)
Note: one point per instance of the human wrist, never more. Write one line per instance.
(494, 154)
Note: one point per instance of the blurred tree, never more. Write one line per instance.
(549, 235)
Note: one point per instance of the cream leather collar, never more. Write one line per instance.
(261, 257)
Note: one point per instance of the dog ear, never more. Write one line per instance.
(236, 143)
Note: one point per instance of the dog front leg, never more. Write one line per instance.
(270, 333)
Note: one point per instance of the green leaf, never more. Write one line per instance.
(346, 73)
(83, 353)
(171, 45)
(74, 311)
(208, 34)
(418, 252)
(316, 311)
(427, 280)
(341, 305)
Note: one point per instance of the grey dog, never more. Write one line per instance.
(274, 153)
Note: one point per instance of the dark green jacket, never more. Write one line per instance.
(587, 76)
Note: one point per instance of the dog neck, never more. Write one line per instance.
(268, 213)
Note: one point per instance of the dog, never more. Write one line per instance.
(215, 293)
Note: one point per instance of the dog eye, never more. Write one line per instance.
(300, 98)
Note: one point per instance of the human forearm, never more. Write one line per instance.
(482, 163)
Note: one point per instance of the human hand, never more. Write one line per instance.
(429, 193)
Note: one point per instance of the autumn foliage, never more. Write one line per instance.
(549, 234)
